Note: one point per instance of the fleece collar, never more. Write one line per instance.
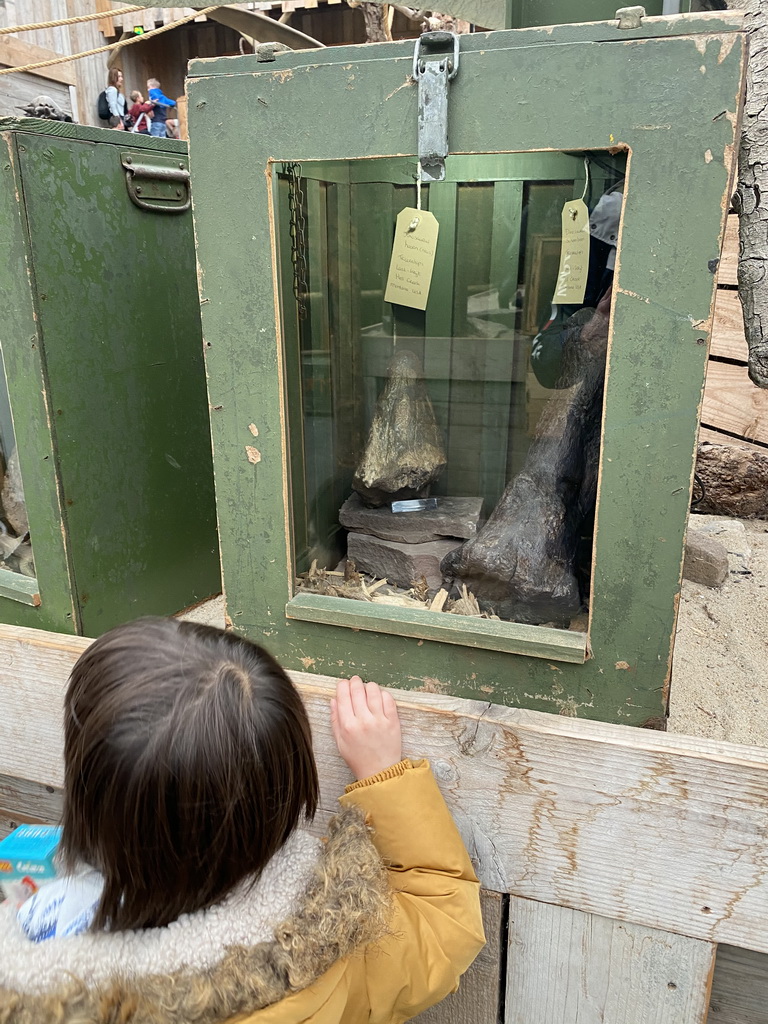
(204, 968)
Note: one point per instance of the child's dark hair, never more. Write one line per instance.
(188, 763)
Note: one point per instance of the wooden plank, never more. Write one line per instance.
(739, 987)
(24, 802)
(106, 25)
(660, 830)
(733, 403)
(729, 258)
(479, 994)
(19, 587)
(181, 106)
(728, 339)
(706, 434)
(467, 631)
(565, 966)
(15, 54)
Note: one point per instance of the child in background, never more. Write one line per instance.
(140, 113)
(191, 893)
(161, 105)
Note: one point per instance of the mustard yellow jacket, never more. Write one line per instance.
(436, 930)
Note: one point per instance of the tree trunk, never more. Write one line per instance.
(376, 16)
(751, 198)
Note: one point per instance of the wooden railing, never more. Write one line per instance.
(615, 861)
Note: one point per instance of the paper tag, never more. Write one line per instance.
(574, 255)
(413, 258)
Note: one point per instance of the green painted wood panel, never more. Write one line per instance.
(529, 90)
(112, 291)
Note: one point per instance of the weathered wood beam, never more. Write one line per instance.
(567, 966)
(728, 340)
(15, 54)
(660, 830)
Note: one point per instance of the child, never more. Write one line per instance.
(191, 894)
(161, 104)
(140, 113)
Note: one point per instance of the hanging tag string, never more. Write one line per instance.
(418, 185)
(586, 178)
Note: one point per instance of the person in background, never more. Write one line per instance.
(161, 106)
(141, 113)
(116, 99)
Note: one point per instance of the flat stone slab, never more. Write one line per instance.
(402, 564)
(453, 517)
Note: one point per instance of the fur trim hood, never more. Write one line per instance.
(346, 903)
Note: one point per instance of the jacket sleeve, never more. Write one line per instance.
(111, 95)
(437, 928)
(159, 96)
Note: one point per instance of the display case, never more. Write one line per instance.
(107, 508)
(455, 399)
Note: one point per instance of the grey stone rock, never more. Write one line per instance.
(453, 517)
(706, 560)
(402, 564)
(732, 534)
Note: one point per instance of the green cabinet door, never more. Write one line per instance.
(102, 347)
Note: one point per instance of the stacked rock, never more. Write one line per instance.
(406, 546)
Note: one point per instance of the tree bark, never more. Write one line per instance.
(732, 480)
(751, 197)
(376, 20)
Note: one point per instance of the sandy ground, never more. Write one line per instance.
(720, 669)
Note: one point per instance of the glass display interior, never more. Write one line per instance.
(15, 546)
(446, 458)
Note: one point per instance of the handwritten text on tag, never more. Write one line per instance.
(413, 258)
(574, 255)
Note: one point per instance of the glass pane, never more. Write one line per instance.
(15, 547)
(484, 408)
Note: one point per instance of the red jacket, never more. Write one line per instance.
(135, 112)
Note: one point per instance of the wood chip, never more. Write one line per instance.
(438, 601)
(398, 600)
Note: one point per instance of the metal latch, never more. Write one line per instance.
(433, 77)
(157, 183)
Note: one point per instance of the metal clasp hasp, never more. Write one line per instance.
(433, 77)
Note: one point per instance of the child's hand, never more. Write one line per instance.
(366, 727)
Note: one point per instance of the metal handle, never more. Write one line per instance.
(439, 40)
(154, 199)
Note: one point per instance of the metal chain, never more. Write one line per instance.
(298, 231)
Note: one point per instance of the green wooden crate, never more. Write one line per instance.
(102, 347)
(292, 396)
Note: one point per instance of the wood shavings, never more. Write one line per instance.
(466, 604)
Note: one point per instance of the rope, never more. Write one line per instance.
(70, 21)
(110, 46)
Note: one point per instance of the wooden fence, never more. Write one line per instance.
(734, 410)
(625, 871)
